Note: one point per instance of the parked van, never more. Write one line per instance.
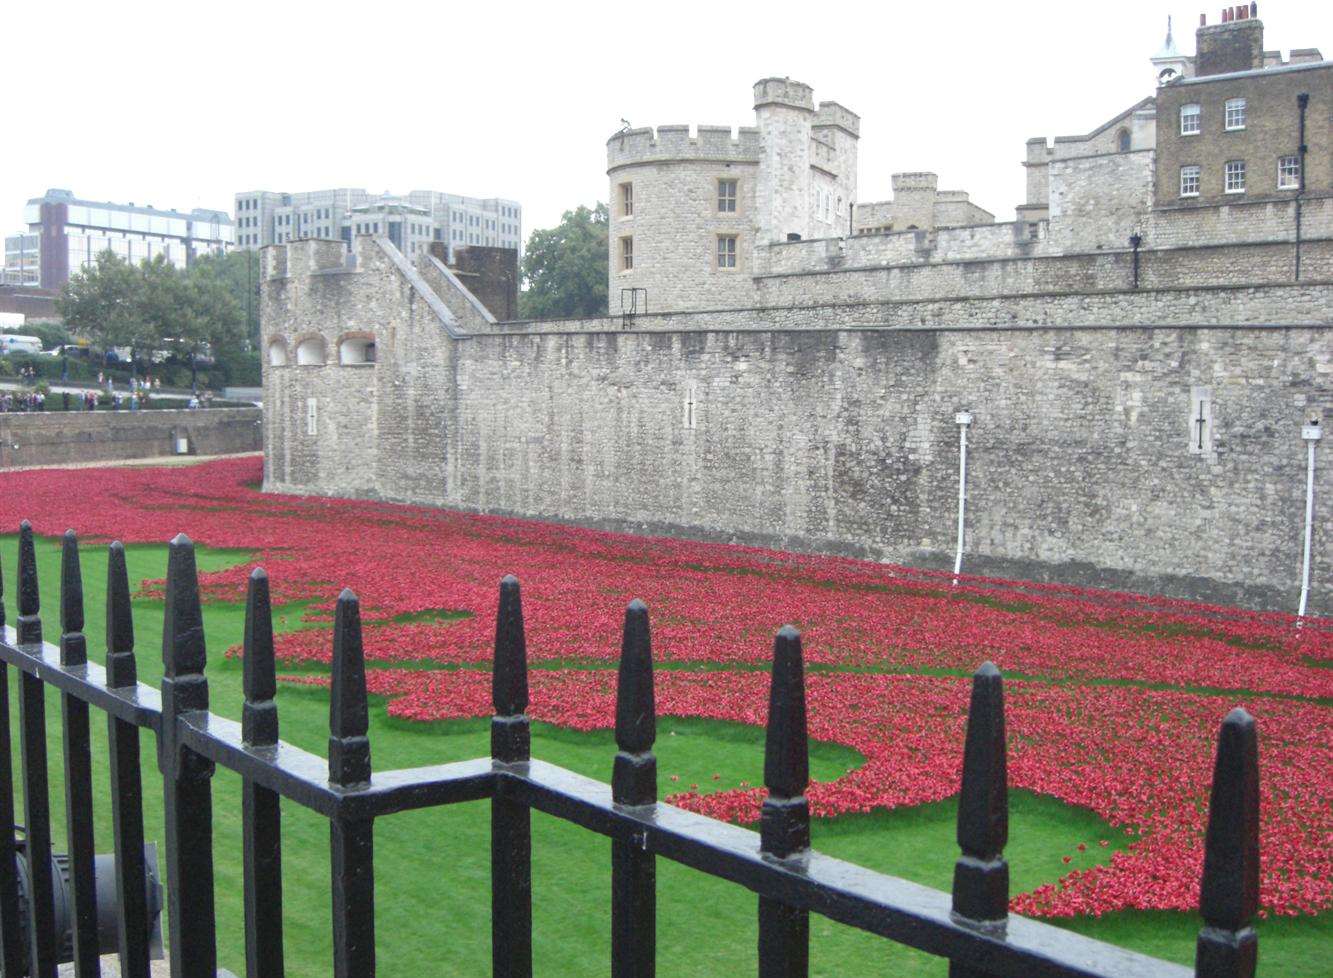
(13, 343)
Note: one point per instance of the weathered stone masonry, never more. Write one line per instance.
(831, 438)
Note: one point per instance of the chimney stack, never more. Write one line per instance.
(1235, 44)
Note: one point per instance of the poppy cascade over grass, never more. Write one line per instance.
(1091, 728)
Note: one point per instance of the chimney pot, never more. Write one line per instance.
(1203, 20)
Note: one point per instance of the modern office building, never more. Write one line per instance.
(409, 221)
(21, 261)
(70, 232)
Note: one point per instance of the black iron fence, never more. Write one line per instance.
(970, 927)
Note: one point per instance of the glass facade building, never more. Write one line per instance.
(71, 232)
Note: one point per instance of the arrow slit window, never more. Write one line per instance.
(1201, 421)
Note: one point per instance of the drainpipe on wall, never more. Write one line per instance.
(1302, 102)
(963, 419)
(1135, 240)
(1311, 434)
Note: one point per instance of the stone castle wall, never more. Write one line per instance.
(65, 437)
(814, 432)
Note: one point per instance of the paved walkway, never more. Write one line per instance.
(111, 969)
(140, 462)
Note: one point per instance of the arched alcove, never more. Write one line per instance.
(277, 353)
(311, 352)
(356, 349)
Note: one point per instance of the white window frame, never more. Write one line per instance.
(728, 190)
(1236, 107)
(1196, 117)
(1289, 172)
(728, 257)
(627, 253)
(1192, 170)
(1230, 168)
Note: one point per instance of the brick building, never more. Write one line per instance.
(1233, 134)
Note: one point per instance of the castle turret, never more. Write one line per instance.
(914, 200)
(785, 112)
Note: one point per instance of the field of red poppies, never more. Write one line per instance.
(1113, 699)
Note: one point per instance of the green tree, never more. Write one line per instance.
(160, 302)
(239, 269)
(217, 318)
(101, 302)
(564, 267)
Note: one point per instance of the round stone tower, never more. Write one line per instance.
(682, 218)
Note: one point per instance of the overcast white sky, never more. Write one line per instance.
(183, 104)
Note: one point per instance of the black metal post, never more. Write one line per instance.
(784, 830)
(981, 875)
(12, 930)
(78, 766)
(511, 828)
(1229, 896)
(186, 776)
(633, 784)
(351, 840)
(1302, 103)
(260, 812)
(133, 924)
(36, 791)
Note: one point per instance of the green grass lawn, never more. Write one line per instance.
(433, 867)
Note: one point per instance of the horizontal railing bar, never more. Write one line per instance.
(906, 912)
(421, 787)
(304, 777)
(292, 772)
(140, 705)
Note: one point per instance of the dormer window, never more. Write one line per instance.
(1235, 114)
(1191, 120)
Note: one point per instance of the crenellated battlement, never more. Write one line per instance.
(914, 181)
(668, 143)
(839, 116)
(784, 91)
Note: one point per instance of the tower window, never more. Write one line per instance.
(627, 199)
(1189, 181)
(1122, 141)
(726, 251)
(1191, 120)
(726, 196)
(627, 254)
(1235, 113)
(1288, 173)
(1235, 177)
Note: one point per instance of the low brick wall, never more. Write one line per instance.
(112, 436)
